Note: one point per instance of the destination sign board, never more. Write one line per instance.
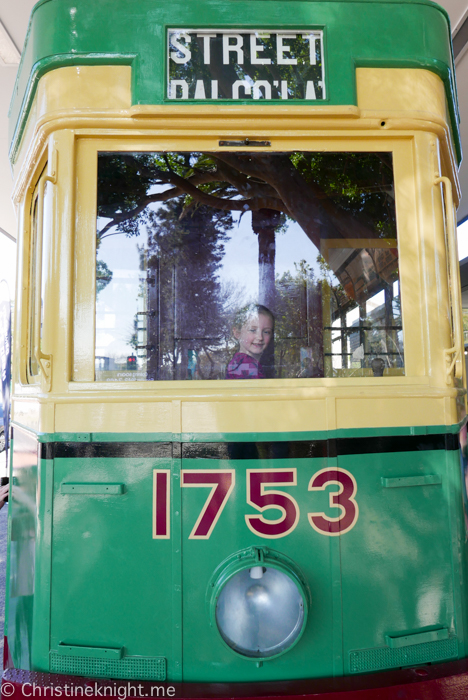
(239, 64)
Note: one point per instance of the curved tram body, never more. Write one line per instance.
(238, 387)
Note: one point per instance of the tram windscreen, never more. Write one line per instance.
(236, 265)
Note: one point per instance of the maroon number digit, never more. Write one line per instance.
(343, 499)
(161, 504)
(221, 482)
(257, 481)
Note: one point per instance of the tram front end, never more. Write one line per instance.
(238, 395)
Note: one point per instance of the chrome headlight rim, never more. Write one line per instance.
(247, 559)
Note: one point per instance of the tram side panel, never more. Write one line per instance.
(111, 600)
(23, 519)
(401, 582)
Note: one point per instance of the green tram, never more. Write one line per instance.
(238, 387)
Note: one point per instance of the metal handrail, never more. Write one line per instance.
(453, 356)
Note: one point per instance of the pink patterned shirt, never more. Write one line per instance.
(242, 366)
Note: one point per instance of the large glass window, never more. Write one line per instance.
(246, 265)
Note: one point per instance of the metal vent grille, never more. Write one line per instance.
(381, 658)
(139, 668)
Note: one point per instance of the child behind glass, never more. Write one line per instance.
(253, 330)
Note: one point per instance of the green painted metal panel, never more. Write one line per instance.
(206, 656)
(418, 638)
(22, 550)
(93, 488)
(103, 581)
(110, 580)
(42, 566)
(368, 660)
(175, 661)
(90, 652)
(397, 566)
(130, 667)
(404, 481)
(393, 33)
(7, 568)
(456, 476)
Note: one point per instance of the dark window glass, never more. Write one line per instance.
(246, 265)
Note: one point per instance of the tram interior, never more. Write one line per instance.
(186, 241)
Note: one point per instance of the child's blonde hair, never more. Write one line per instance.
(244, 314)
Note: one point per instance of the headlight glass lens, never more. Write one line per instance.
(260, 612)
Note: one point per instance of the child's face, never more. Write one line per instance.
(254, 335)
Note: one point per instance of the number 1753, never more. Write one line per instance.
(263, 494)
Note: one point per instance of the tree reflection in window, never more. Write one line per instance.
(186, 240)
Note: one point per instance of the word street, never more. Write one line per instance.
(206, 64)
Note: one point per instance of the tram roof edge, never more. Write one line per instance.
(357, 33)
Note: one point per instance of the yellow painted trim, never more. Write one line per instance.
(246, 416)
(397, 90)
(22, 340)
(87, 151)
(70, 91)
(253, 390)
(99, 97)
(96, 88)
(229, 126)
(86, 121)
(60, 299)
(85, 262)
(174, 411)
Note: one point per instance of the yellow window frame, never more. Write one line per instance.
(88, 147)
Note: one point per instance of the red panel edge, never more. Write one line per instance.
(447, 681)
(7, 660)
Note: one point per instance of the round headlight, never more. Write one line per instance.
(260, 612)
